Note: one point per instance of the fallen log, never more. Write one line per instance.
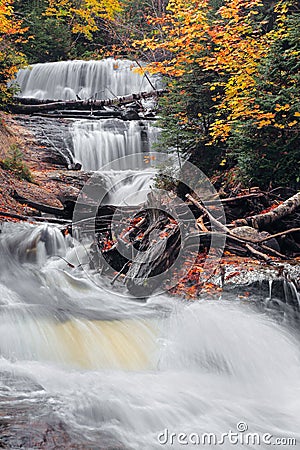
(88, 116)
(235, 245)
(257, 253)
(212, 219)
(261, 221)
(39, 206)
(146, 250)
(234, 199)
(33, 219)
(24, 108)
(282, 234)
(255, 237)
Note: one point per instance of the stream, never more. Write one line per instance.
(85, 366)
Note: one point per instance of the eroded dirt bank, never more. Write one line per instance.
(51, 184)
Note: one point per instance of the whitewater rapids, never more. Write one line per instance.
(114, 369)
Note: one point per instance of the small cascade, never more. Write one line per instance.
(127, 187)
(103, 363)
(105, 144)
(32, 244)
(71, 80)
(127, 344)
(98, 143)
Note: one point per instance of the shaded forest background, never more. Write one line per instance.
(231, 71)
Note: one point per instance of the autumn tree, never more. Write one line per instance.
(267, 148)
(83, 17)
(11, 32)
(238, 47)
(181, 44)
(47, 38)
(221, 61)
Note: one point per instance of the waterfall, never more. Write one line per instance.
(32, 244)
(70, 80)
(98, 143)
(80, 343)
(105, 143)
(110, 369)
(128, 187)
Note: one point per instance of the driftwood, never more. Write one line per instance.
(257, 253)
(282, 234)
(78, 115)
(89, 115)
(212, 219)
(146, 252)
(123, 270)
(26, 107)
(233, 244)
(240, 198)
(261, 221)
(149, 269)
(260, 249)
(60, 212)
(34, 218)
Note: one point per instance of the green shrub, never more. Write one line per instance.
(15, 163)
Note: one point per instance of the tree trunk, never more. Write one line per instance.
(260, 221)
(30, 106)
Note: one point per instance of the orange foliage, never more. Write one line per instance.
(229, 43)
(11, 31)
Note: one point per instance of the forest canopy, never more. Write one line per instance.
(231, 71)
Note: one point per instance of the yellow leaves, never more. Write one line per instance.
(11, 33)
(83, 17)
(285, 107)
(9, 25)
(269, 115)
(291, 124)
(180, 35)
(229, 43)
(238, 52)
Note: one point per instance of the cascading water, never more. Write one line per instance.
(95, 144)
(118, 373)
(71, 80)
(98, 143)
(97, 370)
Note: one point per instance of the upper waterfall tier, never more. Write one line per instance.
(71, 80)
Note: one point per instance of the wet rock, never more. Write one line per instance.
(54, 136)
(246, 233)
(76, 166)
(130, 114)
(253, 235)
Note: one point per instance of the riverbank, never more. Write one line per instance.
(51, 184)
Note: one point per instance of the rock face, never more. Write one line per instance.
(54, 136)
(130, 114)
